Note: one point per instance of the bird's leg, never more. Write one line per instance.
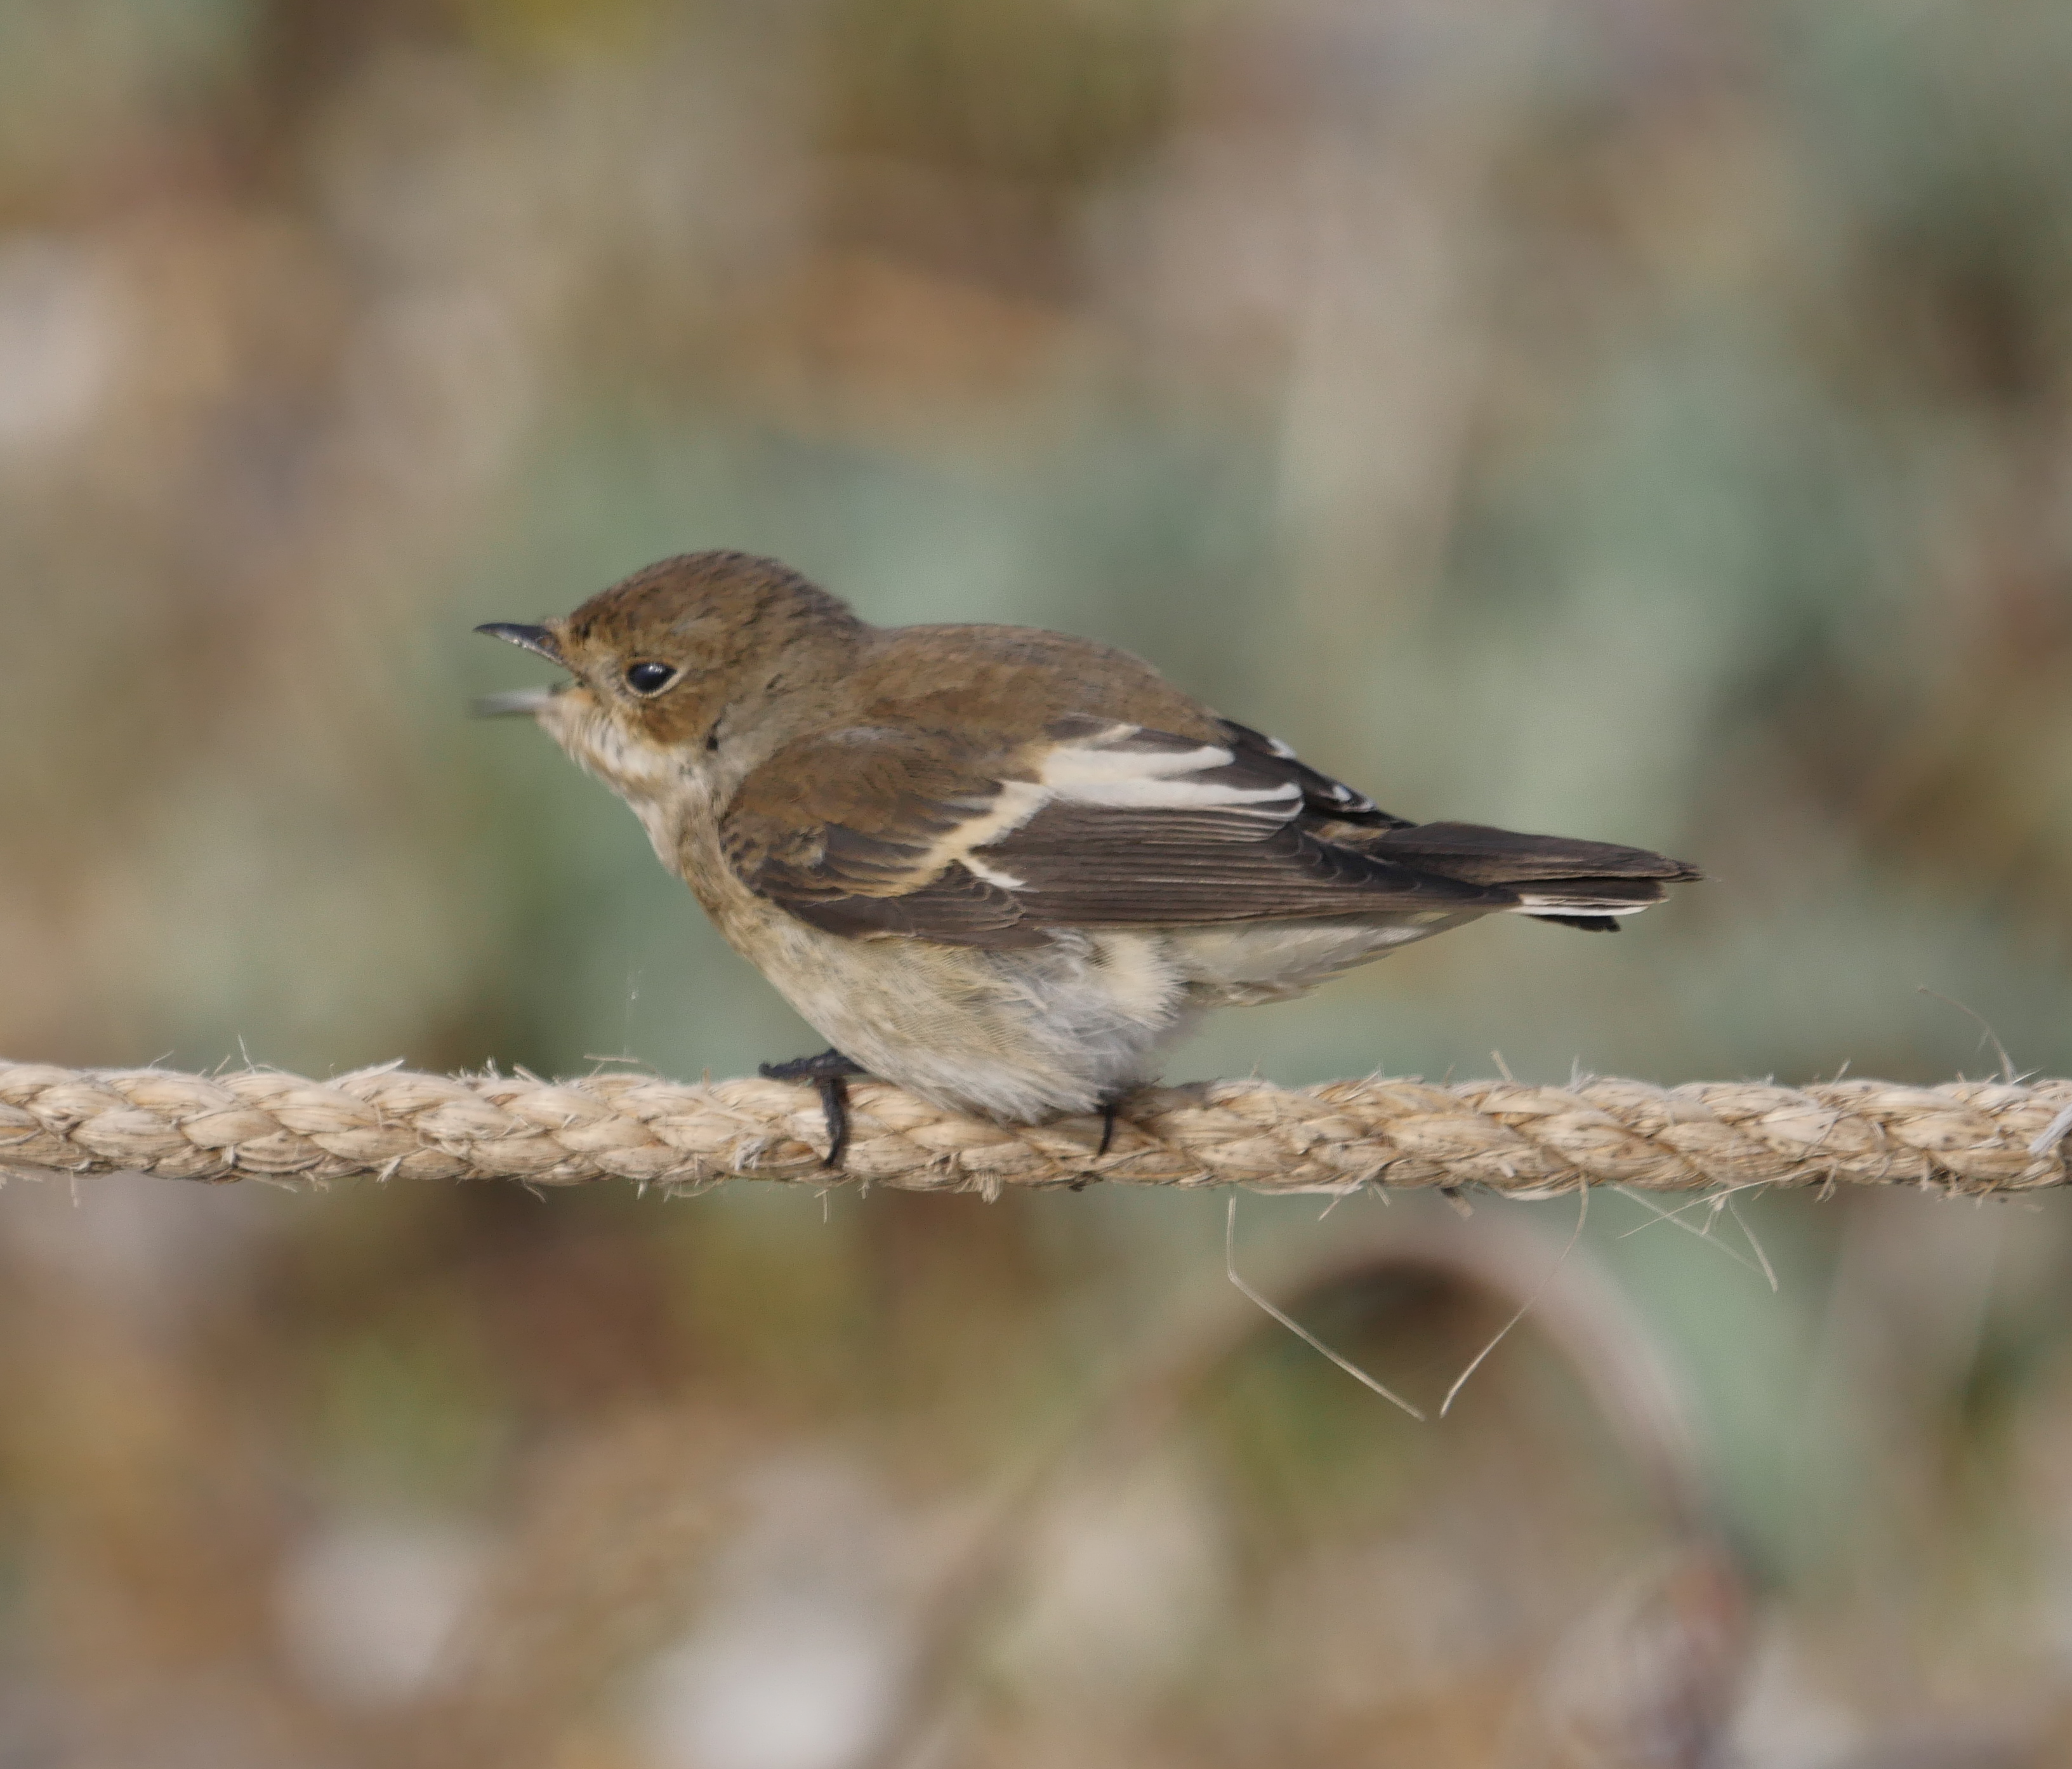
(1108, 1108)
(830, 1072)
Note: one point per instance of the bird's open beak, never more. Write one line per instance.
(523, 702)
(535, 639)
(520, 703)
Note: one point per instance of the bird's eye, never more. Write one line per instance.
(649, 678)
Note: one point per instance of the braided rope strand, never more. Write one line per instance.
(1967, 1137)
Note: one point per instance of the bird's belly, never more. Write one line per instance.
(1236, 963)
(1020, 1035)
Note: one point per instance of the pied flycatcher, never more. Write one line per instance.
(1002, 867)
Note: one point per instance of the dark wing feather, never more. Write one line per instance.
(1556, 878)
(1323, 798)
(1483, 855)
(1094, 865)
(875, 831)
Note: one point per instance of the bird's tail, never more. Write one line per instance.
(1555, 877)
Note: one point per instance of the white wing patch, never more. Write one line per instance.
(1573, 906)
(1118, 767)
(1075, 764)
(1017, 802)
(1154, 776)
(993, 875)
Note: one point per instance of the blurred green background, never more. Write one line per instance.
(1649, 422)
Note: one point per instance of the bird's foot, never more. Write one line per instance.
(830, 1073)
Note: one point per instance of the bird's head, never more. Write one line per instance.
(699, 660)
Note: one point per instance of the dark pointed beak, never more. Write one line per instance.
(535, 639)
(525, 701)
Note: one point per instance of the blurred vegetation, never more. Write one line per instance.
(1649, 422)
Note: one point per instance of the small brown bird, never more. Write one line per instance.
(1002, 867)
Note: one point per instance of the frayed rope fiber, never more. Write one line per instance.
(1967, 1136)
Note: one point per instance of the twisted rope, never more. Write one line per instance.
(1969, 1136)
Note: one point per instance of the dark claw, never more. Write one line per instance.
(834, 1107)
(1107, 1112)
(1110, 1108)
(829, 1073)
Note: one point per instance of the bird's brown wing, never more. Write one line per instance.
(877, 830)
